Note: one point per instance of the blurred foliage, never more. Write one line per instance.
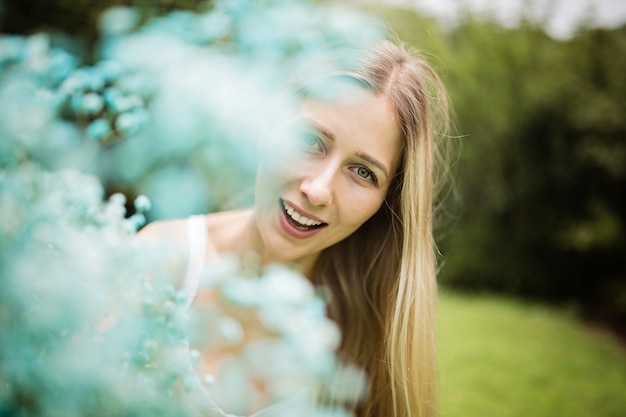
(94, 321)
(542, 169)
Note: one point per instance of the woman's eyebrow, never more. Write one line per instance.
(363, 155)
(320, 129)
(374, 162)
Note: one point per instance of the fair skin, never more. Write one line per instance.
(337, 177)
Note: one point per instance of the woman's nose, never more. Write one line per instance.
(317, 186)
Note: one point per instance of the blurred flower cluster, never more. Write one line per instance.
(172, 110)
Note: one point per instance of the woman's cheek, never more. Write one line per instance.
(365, 202)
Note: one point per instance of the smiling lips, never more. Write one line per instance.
(297, 224)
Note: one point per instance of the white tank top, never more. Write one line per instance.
(198, 239)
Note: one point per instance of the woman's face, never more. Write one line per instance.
(323, 185)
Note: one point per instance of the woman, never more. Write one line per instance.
(351, 207)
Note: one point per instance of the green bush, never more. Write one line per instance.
(541, 172)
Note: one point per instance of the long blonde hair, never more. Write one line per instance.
(383, 277)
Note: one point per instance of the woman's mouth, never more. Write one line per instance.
(298, 220)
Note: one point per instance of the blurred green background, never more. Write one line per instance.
(533, 307)
(533, 310)
(541, 176)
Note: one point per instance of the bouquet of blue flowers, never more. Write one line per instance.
(92, 322)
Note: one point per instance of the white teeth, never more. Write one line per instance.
(303, 220)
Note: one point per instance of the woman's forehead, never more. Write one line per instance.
(336, 88)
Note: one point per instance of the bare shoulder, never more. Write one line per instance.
(164, 230)
(169, 240)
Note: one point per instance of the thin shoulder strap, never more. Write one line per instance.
(197, 232)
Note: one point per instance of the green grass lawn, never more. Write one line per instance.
(505, 358)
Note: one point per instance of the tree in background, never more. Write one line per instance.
(542, 171)
(78, 17)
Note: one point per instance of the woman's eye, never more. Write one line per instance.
(365, 173)
(312, 143)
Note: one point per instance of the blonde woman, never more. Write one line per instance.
(350, 205)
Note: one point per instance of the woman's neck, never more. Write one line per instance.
(237, 232)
